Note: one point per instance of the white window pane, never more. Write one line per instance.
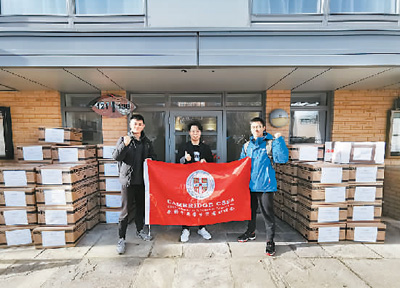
(286, 6)
(33, 7)
(306, 127)
(362, 6)
(109, 7)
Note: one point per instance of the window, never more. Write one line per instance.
(309, 116)
(286, 6)
(33, 7)
(196, 100)
(6, 143)
(78, 114)
(109, 7)
(363, 6)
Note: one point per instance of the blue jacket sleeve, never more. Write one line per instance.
(280, 152)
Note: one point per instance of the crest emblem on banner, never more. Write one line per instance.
(200, 184)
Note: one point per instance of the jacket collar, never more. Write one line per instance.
(266, 136)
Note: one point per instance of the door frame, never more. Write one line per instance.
(221, 151)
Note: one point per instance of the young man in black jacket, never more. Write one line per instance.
(130, 152)
(194, 151)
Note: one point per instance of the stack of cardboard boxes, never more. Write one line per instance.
(336, 199)
(18, 216)
(109, 185)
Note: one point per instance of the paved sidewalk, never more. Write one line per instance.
(220, 262)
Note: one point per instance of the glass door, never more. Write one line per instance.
(211, 134)
(6, 143)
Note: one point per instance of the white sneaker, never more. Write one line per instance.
(185, 235)
(121, 246)
(204, 233)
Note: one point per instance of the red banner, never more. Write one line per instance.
(198, 193)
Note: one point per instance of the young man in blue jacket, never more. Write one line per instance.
(264, 150)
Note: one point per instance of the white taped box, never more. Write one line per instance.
(321, 213)
(65, 194)
(364, 212)
(109, 184)
(323, 193)
(366, 232)
(358, 152)
(323, 172)
(111, 200)
(18, 197)
(18, 216)
(34, 154)
(15, 236)
(322, 233)
(108, 168)
(366, 173)
(111, 215)
(74, 154)
(18, 175)
(65, 174)
(56, 237)
(62, 214)
(62, 136)
(105, 151)
(306, 152)
(361, 193)
(93, 218)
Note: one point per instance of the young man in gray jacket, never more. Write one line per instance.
(130, 152)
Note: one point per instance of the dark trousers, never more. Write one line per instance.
(266, 203)
(132, 201)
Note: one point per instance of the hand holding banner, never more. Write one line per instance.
(198, 193)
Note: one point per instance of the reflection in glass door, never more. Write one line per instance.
(211, 134)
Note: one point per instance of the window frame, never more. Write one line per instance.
(328, 108)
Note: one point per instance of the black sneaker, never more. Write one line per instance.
(270, 249)
(246, 236)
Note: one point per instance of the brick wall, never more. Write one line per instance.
(113, 128)
(29, 110)
(278, 99)
(362, 115)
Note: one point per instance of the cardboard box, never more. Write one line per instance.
(108, 168)
(289, 168)
(111, 215)
(321, 213)
(289, 178)
(34, 154)
(56, 237)
(290, 188)
(323, 172)
(322, 193)
(358, 152)
(364, 212)
(366, 232)
(278, 211)
(306, 152)
(322, 233)
(62, 214)
(18, 197)
(65, 174)
(63, 136)
(16, 236)
(289, 217)
(18, 216)
(290, 202)
(74, 154)
(18, 175)
(105, 152)
(359, 193)
(93, 201)
(109, 184)
(364, 173)
(93, 218)
(111, 200)
(65, 194)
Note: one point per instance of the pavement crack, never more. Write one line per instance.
(275, 275)
(354, 272)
